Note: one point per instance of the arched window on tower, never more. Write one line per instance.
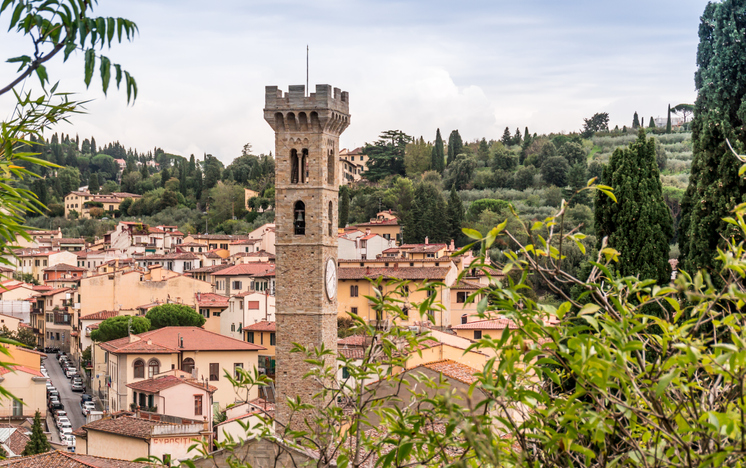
(331, 219)
(294, 167)
(299, 217)
(304, 166)
(330, 166)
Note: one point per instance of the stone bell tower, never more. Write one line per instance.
(307, 130)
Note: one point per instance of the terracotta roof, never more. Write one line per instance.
(125, 425)
(166, 340)
(354, 352)
(354, 340)
(64, 267)
(24, 369)
(219, 237)
(93, 326)
(404, 261)
(454, 370)
(470, 285)
(489, 324)
(264, 326)
(427, 248)
(59, 459)
(53, 292)
(260, 253)
(211, 300)
(14, 437)
(245, 242)
(100, 315)
(248, 269)
(68, 240)
(126, 195)
(42, 287)
(403, 273)
(210, 269)
(157, 384)
(172, 256)
(385, 222)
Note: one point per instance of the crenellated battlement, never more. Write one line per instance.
(325, 97)
(327, 110)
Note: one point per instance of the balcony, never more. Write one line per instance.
(36, 311)
(62, 318)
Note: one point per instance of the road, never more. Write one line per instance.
(70, 399)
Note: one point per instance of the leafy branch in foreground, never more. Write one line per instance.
(56, 26)
(629, 373)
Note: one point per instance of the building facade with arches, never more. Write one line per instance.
(198, 355)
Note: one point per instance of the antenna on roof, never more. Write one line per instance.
(308, 90)
(129, 326)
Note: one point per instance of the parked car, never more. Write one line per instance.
(87, 407)
(70, 372)
(55, 404)
(53, 393)
(66, 431)
(85, 397)
(77, 388)
(68, 440)
(62, 421)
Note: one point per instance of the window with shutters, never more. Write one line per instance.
(214, 371)
(250, 337)
(461, 297)
(253, 305)
(354, 291)
(236, 285)
(272, 340)
(477, 334)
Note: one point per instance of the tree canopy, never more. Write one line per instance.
(386, 155)
(118, 327)
(174, 315)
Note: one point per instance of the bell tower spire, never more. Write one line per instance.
(307, 130)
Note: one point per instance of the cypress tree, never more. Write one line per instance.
(719, 114)
(651, 124)
(635, 121)
(93, 185)
(526, 135)
(506, 139)
(517, 139)
(344, 205)
(183, 178)
(455, 146)
(441, 154)
(639, 225)
(164, 177)
(454, 215)
(668, 121)
(38, 442)
(93, 146)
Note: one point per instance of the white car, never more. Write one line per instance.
(63, 421)
(87, 407)
(68, 440)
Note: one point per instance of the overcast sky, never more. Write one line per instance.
(475, 66)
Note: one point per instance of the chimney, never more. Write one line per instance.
(367, 231)
(181, 342)
(453, 246)
(427, 241)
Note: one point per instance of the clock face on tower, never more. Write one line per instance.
(331, 279)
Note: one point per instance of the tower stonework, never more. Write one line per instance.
(307, 130)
